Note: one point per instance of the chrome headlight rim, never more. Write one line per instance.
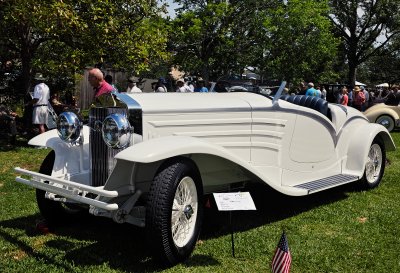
(116, 131)
(69, 127)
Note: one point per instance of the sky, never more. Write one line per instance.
(171, 7)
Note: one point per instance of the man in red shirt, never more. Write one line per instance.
(101, 88)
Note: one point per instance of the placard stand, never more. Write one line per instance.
(233, 201)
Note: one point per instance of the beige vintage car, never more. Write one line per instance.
(386, 115)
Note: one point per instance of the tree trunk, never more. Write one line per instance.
(352, 72)
(26, 60)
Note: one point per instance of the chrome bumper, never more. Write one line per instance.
(71, 190)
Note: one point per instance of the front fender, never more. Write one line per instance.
(171, 146)
(359, 145)
(70, 159)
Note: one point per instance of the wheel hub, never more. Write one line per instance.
(188, 211)
(385, 123)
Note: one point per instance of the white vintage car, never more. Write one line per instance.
(150, 158)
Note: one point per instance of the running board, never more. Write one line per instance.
(328, 182)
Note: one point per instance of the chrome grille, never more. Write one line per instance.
(102, 157)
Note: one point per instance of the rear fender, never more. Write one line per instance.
(360, 143)
(387, 111)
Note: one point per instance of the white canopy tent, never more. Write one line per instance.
(360, 83)
(385, 84)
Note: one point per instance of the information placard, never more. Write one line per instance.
(234, 201)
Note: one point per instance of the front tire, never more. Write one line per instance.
(174, 212)
(375, 165)
(386, 121)
(53, 212)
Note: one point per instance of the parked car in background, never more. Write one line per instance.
(149, 158)
(385, 115)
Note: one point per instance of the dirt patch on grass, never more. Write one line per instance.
(17, 254)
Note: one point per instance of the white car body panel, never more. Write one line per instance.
(231, 137)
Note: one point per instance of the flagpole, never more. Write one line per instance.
(232, 239)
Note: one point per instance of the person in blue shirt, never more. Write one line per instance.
(200, 86)
(311, 91)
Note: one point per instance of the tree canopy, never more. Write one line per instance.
(61, 37)
(292, 40)
(365, 28)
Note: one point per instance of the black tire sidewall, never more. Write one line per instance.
(160, 234)
(54, 212)
(49, 209)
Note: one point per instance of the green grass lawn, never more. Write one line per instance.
(341, 230)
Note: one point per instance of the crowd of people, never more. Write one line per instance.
(358, 96)
(37, 106)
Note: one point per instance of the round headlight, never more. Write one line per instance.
(69, 126)
(116, 131)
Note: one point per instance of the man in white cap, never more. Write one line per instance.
(41, 96)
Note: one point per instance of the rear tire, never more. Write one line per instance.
(375, 165)
(174, 212)
(54, 212)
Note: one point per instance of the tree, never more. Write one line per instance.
(283, 40)
(298, 41)
(68, 35)
(365, 28)
(197, 34)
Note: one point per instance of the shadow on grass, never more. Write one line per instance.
(271, 205)
(92, 241)
(96, 240)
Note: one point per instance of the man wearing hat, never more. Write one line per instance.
(41, 96)
(132, 86)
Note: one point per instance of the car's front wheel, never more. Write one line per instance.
(54, 212)
(375, 165)
(173, 213)
(386, 121)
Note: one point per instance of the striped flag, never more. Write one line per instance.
(282, 258)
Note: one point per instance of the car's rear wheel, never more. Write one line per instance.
(375, 165)
(54, 212)
(386, 121)
(174, 212)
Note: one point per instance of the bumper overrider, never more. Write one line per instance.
(68, 189)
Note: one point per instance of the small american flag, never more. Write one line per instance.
(282, 258)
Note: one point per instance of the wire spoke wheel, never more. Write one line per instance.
(184, 212)
(374, 163)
